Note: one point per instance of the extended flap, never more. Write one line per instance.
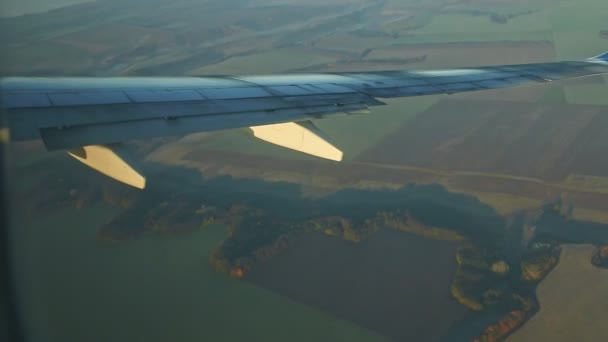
(301, 136)
(111, 160)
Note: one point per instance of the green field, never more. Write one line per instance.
(157, 288)
(350, 42)
(573, 27)
(272, 61)
(576, 27)
(355, 134)
(572, 301)
(21, 59)
(461, 23)
(457, 28)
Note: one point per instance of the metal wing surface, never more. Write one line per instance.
(72, 112)
(88, 116)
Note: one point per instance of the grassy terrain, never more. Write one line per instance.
(474, 37)
(153, 289)
(573, 27)
(458, 28)
(591, 183)
(506, 193)
(443, 56)
(349, 42)
(374, 275)
(272, 61)
(21, 58)
(592, 215)
(463, 24)
(357, 133)
(576, 28)
(507, 204)
(572, 301)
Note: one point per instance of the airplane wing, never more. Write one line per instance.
(88, 116)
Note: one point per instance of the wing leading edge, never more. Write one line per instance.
(69, 113)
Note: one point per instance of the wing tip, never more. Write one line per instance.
(602, 57)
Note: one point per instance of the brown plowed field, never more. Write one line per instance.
(534, 140)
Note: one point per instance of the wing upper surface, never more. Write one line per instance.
(69, 112)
